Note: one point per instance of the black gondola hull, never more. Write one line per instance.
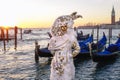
(104, 58)
(44, 52)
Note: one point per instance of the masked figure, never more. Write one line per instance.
(64, 46)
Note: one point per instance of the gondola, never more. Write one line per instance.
(82, 37)
(110, 53)
(27, 31)
(44, 52)
(96, 47)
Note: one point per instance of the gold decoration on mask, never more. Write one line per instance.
(64, 28)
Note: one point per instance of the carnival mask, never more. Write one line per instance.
(62, 24)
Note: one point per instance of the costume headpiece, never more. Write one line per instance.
(62, 23)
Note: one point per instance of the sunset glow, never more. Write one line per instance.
(42, 13)
(8, 22)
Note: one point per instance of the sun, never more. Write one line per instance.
(8, 22)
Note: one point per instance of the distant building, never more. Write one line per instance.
(118, 22)
(113, 16)
(114, 24)
(113, 21)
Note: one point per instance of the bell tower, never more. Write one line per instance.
(113, 16)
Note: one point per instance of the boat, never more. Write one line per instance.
(27, 31)
(96, 47)
(109, 54)
(82, 37)
(84, 48)
(44, 52)
(100, 45)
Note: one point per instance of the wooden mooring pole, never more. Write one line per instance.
(110, 34)
(93, 34)
(0, 33)
(15, 32)
(97, 37)
(21, 33)
(3, 37)
(36, 52)
(7, 35)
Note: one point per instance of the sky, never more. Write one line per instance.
(42, 13)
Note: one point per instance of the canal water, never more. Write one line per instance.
(20, 65)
